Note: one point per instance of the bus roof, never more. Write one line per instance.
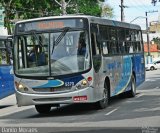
(92, 19)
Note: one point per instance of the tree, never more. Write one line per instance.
(8, 4)
(26, 9)
(157, 41)
(107, 11)
(63, 4)
(33, 8)
(87, 7)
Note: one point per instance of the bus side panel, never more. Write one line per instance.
(119, 71)
(139, 68)
(113, 69)
(6, 82)
(126, 73)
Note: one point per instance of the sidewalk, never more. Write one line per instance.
(8, 101)
(8, 106)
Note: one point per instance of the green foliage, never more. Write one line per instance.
(26, 9)
(157, 41)
(107, 11)
(89, 7)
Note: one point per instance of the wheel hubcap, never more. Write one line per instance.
(105, 96)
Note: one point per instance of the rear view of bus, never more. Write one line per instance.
(6, 77)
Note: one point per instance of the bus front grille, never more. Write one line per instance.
(52, 99)
(52, 90)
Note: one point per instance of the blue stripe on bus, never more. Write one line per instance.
(6, 81)
(126, 75)
(51, 83)
(58, 83)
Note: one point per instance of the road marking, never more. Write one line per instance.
(156, 87)
(150, 80)
(112, 111)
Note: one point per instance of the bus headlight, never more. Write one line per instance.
(20, 87)
(82, 84)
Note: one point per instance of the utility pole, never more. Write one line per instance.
(122, 10)
(147, 30)
(63, 6)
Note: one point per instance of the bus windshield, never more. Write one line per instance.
(55, 53)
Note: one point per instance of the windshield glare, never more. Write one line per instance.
(52, 54)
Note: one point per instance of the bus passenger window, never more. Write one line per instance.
(127, 47)
(93, 44)
(128, 37)
(5, 53)
(105, 48)
(122, 47)
(3, 57)
(131, 49)
(97, 60)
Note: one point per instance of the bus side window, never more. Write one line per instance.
(4, 54)
(113, 40)
(103, 31)
(131, 48)
(95, 39)
(121, 40)
(3, 57)
(96, 53)
(105, 48)
(93, 44)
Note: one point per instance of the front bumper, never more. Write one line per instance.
(24, 99)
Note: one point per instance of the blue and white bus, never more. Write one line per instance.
(6, 77)
(76, 59)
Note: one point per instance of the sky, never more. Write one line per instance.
(136, 8)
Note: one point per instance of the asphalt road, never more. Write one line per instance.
(139, 114)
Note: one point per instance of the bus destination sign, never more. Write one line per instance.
(50, 24)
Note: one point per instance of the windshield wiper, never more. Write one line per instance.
(60, 37)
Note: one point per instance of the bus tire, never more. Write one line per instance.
(152, 68)
(43, 109)
(132, 92)
(105, 101)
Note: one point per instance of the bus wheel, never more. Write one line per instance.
(104, 102)
(132, 92)
(43, 109)
(152, 68)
